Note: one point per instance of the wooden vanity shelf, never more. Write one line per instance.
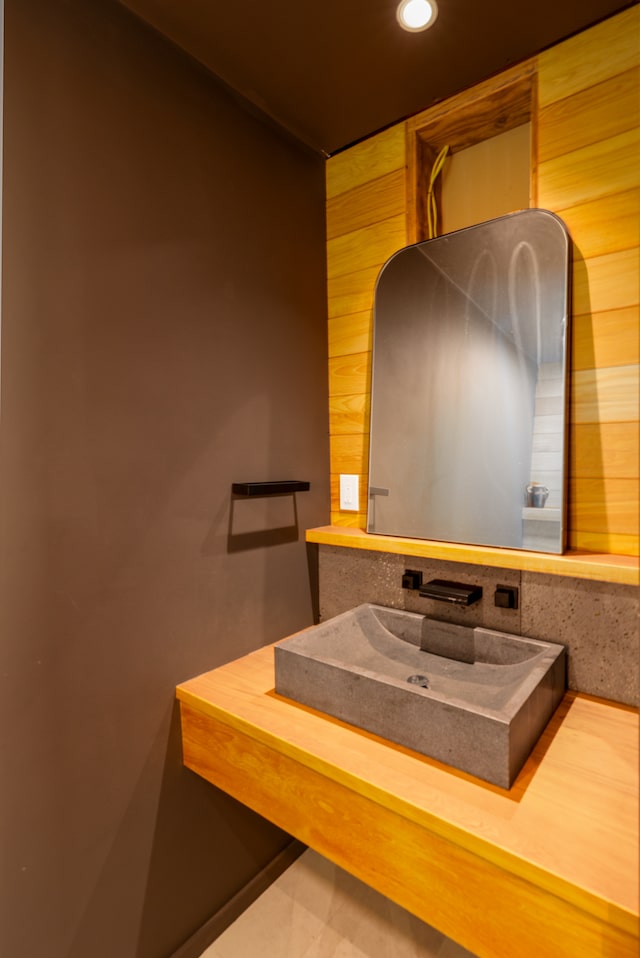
(548, 868)
(581, 565)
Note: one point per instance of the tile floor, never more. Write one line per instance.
(317, 910)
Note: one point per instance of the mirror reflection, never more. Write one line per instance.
(469, 389)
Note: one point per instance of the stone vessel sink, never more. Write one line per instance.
(471, 697)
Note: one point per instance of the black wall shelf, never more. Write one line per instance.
(281, 488)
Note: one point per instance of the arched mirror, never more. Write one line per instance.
(469, 388)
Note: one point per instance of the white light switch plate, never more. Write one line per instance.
(349, 493)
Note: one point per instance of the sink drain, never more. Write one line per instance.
(420, 680)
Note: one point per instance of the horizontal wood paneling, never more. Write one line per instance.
(609, 449)
(349, 415)
(366, 247)
(589, 172)
(597, 542)
(350, 454)
(373, 158)
(605, 505)
(605, 225)
(606, 282)
(352, 292)
(589, 58)
(611, 394)
(366, 224)
(608, 166)
(596, 113)
(352, 210)
(586, 168)
(350, 375)
(610, 338)
(352, 333)
(349, 520)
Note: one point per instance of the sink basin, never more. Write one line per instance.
(473, 698)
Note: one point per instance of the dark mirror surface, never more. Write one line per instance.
(469, 390)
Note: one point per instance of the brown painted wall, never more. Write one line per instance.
(164, 334)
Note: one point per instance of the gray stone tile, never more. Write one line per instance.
(483, 613)
(349, 577)
(597, 622)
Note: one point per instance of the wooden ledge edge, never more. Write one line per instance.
(602, 567)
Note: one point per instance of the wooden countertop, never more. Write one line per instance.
(580, 565)
(552, 863)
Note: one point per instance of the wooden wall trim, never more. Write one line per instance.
(603, 567)
(490, 108)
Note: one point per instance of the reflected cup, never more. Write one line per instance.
(537, 495)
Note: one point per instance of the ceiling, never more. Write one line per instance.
(336, 71)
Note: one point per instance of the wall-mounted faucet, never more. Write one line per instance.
(456, 593)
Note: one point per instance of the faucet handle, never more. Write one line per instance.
(411, 579)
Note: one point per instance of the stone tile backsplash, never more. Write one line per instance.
(596, 621)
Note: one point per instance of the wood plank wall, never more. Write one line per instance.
(589, 173)
(366, 223)
(587, 169)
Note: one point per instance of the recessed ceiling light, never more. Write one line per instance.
(416, 15)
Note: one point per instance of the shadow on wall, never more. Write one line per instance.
(259, 523)
(168, 806)
(262, 522)
(586, 505)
